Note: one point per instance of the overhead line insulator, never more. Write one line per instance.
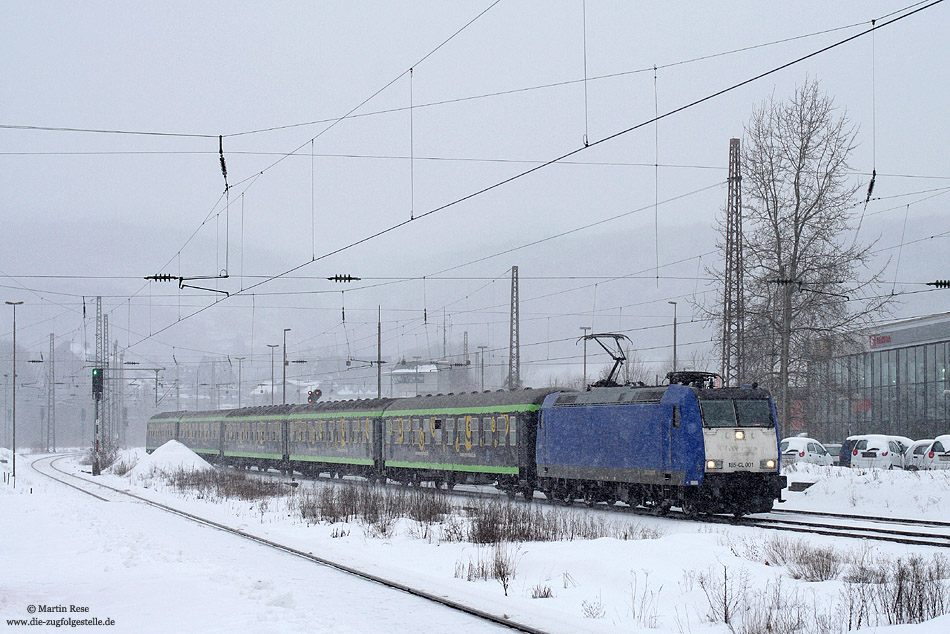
(343, 278)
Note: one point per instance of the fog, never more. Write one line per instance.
(606, 239)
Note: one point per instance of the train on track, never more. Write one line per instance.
(690, 444)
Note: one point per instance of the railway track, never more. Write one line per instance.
(106, 493)
(904, 531)
(901, 531)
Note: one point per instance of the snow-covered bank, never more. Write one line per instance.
(873, 492)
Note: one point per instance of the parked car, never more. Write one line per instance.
(937, 455)
(844, 454)
(801, 449)
(834, 449)
(876, 451)
(913, 457)
(904, 442)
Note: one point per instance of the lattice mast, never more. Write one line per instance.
(51, 396)
(733, 308)
(97, 430)
(514, 348)
(105, 407)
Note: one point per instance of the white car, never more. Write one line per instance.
(913, 457)
(876, 451)
(801, 449)
(937, 455)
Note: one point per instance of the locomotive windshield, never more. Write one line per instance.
(736, 413)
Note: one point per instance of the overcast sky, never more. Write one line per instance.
(91, 213)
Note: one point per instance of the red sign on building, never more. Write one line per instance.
(879, 340)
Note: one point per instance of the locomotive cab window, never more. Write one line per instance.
(738, 413)
(718, 413)
(754, 413)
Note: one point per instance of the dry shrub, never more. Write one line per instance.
(815, 564)
(724, 593)
(497, 521)
(500, 564)
(914, 590)
(214, 484)
(123, 467)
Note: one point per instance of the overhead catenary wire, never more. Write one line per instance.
(691, 60)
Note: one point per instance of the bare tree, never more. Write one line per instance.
(806, 277)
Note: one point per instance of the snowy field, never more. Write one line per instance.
(153, 572)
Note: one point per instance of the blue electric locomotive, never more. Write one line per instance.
(701, 448)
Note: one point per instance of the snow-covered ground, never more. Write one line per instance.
(874, 492)
(153, 572)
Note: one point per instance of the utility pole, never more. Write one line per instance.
(379, 351)
(51, 397)
(272, 346)
(284, 380)
(481, 358)
(156, 386)
(6, 402)
(14, 304)
(674, 334)
(584, 383)
(240, 379)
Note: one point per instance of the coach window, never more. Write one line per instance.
(676, 416)
(435, 427)
(513, 430)
(449, 436)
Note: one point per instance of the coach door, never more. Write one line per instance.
(285, 438)
(378, 443)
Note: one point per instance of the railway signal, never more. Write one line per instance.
(97, 383)
(313, 395)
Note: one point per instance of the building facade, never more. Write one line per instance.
(897, 385)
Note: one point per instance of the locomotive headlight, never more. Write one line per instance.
(767, 464)
(714, 464)
(740, 435)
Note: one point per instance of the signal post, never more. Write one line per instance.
(97, 396)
